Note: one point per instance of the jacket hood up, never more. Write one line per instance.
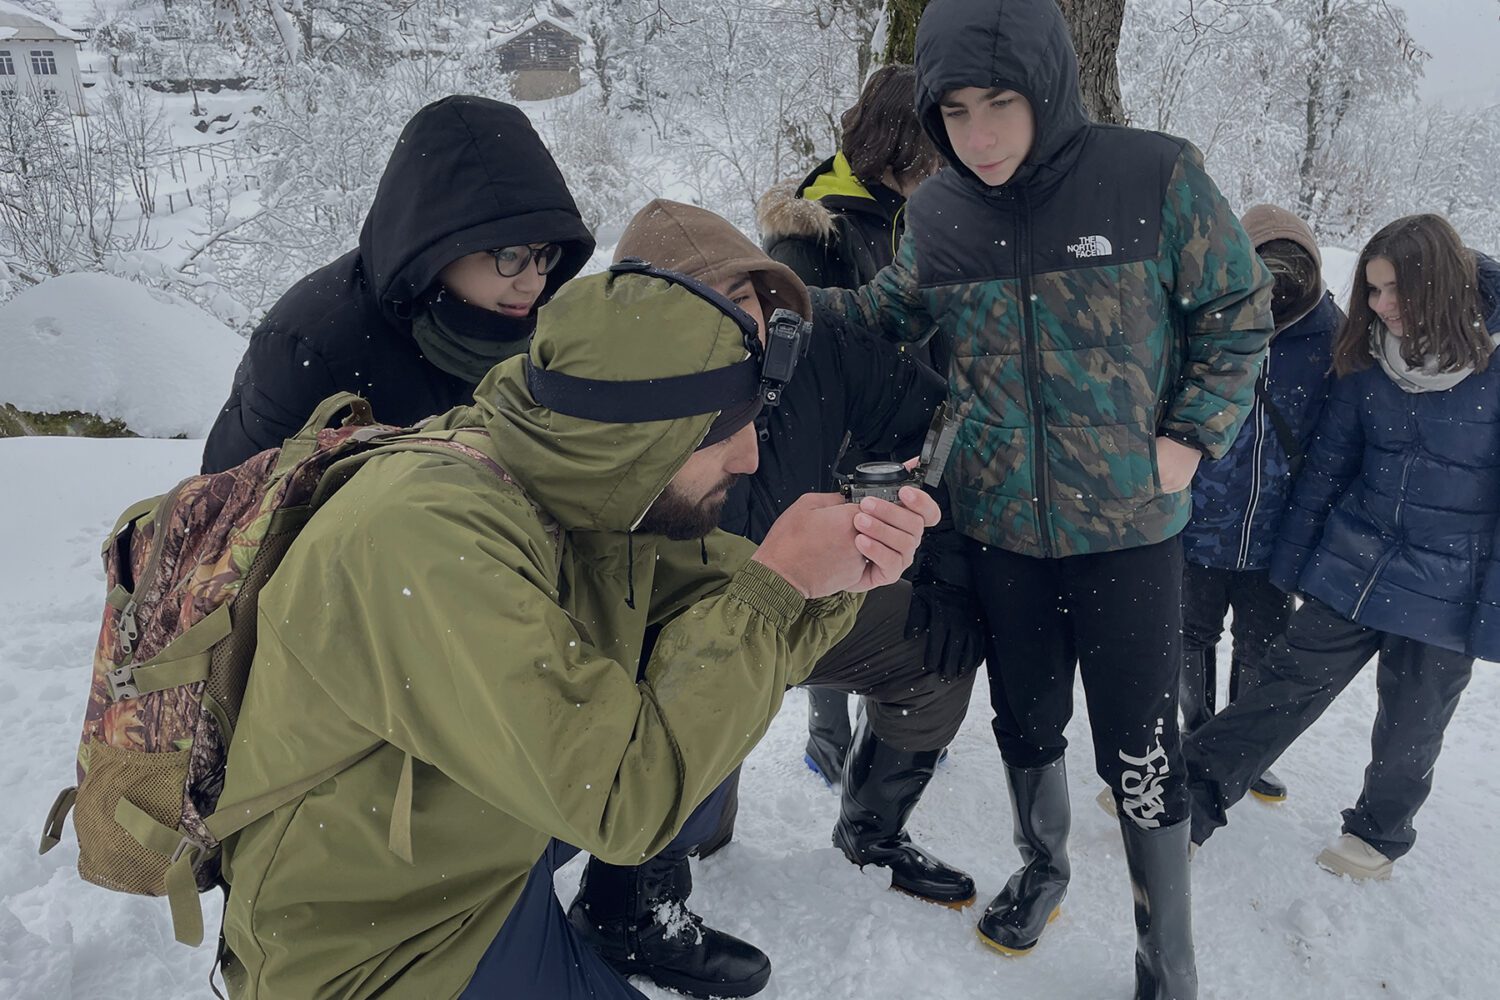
(702, 245)
(467, 174)
(1020, 45)
(596, 476)
(803, 209)
(1264, 223)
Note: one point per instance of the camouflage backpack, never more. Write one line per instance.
(184, 572)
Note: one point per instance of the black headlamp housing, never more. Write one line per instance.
(787, 334)
(760, 378)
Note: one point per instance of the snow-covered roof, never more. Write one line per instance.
(16, 22)
(498, 38)
(104, 345)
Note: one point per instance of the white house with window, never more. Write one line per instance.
(39, 56)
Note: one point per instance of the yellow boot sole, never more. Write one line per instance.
(957, 904)
(1015, 952)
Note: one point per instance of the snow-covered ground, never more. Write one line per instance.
(1269, 923)
(104, 345)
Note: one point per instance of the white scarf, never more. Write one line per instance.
(1386, 347)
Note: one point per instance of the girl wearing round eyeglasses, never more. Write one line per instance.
(472, 228)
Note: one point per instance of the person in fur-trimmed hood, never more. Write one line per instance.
(838, 227)
(841, 223)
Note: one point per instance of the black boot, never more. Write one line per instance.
(1015, 919)
(881, 788)
(1199, 687)
(827, 733)
(1158, 863)
(724, 832)
(1268, 787)
(638, 921)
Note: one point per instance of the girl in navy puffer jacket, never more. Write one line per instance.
(1390, 540)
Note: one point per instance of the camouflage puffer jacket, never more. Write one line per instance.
(1103, 297)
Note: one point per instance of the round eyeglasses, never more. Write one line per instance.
(511, 261)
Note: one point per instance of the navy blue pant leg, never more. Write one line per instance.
(538, 954)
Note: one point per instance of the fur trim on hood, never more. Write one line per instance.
(781, 214)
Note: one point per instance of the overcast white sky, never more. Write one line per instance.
(1464, 39)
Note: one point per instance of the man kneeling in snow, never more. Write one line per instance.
(445, 694)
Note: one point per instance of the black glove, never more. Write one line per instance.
(950, 620)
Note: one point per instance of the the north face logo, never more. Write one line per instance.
(1091, 246)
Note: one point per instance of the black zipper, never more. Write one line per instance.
(1031, 366)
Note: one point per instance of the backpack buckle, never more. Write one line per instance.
(122, 683)
(189, 845)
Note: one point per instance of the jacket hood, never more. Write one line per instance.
(793, 209)
(1264, 223)
(782, 214)
(1020, 45)
(702, 245)
(588, 474)
(468, 174)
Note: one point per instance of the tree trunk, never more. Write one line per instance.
(1094, 25)
(901, 17)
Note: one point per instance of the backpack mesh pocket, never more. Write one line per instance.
(108, 854)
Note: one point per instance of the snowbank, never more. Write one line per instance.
(1338, 272)
(103, 345)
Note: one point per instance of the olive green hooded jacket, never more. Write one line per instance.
(453, 661)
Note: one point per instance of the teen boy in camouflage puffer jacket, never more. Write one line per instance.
(1108, 314)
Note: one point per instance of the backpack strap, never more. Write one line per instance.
(61, 806)
(1284, 433)
(305, 442)
(185, 661)
(185, 855)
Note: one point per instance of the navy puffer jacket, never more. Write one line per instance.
(1238, 500)
(1394, 519)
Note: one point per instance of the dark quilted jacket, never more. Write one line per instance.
(1238, 500)
(1394, 519)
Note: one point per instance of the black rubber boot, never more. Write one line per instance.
(638, 921)
(1158, 863)
(828, 734)
(1015, 919)
(881, 788)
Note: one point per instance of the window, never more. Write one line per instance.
(7, 65)
(43, 63)
(49, 95)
